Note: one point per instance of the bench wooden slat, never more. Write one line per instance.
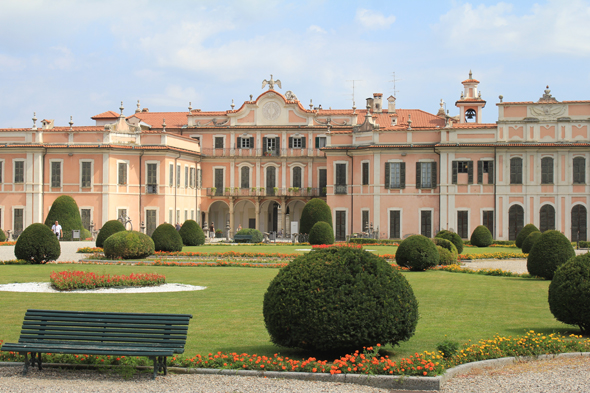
(66, 330)
(110, 314)
(98, 344)
(74, 325)
(105, 320)
(99, 335)
(89, 350)
(103, 338)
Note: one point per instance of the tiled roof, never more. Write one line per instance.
(96, 146)
(56, 129)
(155, 119)
(452, 145)
(470, 81)
(106, 115)
(543, 103)
(474, 125)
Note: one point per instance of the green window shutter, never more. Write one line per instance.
(455, 170)
(470, 172)
(278, 145)
(264, 144)
(480, 172)
(402, 175)
(290, 142)
(387, 174)
(433, 166)
(239, 143)
(418, 175)
(317, 142)
(303, 143)
(491, 172)
(251, 142)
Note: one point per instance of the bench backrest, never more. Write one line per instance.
(110, 328)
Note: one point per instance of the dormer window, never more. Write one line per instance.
(394, 121)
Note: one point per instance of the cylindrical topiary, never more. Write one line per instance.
(166, 238)
(530, 240)
(65, 210)
(255, 233)
(321, 233)
(339, 298)
(453, 237)
(315, 210)
(418, 253)
(191, 233)
(481, 236)
(451, 258)
(569, 292)
(37, 244)
(551, 250)
(524, 232)
(2, 236)
(128, 245)
(109, 228)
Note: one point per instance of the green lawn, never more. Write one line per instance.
(228, 314)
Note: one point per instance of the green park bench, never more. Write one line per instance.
(155, 336)
(242, 237)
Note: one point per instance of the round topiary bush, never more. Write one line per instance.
(453, 237)
(65, 210)
(109, 228)
(418, 253)
(451, 258)
(2, 236)
(37, 244)
(321, 233)
(481, 236)
(569, 292)
(166, 238)
(530, 240)
(315, 210)
(191, 233)
(128, 245)
(551, 250)
(255, 233)
(339, 298)
(524, 232)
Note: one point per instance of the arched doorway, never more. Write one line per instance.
(294, 209)
(546, 218)
(579, 223)
(218, 215)
(269, 216)
(244, 214)
(515, 221)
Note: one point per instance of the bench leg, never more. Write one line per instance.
(155, 358)
(165, 366)
(39, 360)
(26, 370)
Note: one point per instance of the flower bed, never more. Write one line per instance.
(322, 246)
(494, 255)
(485, 272)
(10, 243)
(90, 250)
(72, 279)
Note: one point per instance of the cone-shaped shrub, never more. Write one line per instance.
(315, 210)
(321, 233)
(191, 233)
(524, 232)
(453, 237)
(37, 244)
(481, 236)
(418, 253)
(166, 238)
(339, 298)
(109, 228)
(551, 250)
(530, 240)
(451, 257)
(128, 245)
(65, 210)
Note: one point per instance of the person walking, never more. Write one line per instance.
(56, 228)
(212, 231)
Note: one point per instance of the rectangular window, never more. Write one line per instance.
(150, 222)
(462, 225)
(19, 171)
(547, 170)
(365, 173)
(245, 143)
(271, 144)
(579, 170)
(516, 170)
(192, 214)
(19, 220)
(177, 176)
(192, 182)
(86, 173)
(485, 167)
(1, 171)
(426, 223)
(320, 141)
(185, 214)
(121, 213)
(55, 174)
(340, 186)
(296, 143)
(152, 178)
(425, 174)
(219, 142)
(122, 174)
(86, 216)
(199, 178)
(462, 167)
(178, 215)
(218, 181)
(365, 221)
(186, 177)
(297, 177)
(395, 175)
(394, 224)
(171, 180)
(340, 229)
(488, 220)
(170, 217)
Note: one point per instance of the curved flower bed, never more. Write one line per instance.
(72, 279)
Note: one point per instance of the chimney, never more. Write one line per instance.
(370, 103)
(377, 103)
(391, 104)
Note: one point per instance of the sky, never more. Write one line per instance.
(62, 58)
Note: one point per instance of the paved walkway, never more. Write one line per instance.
(68, 251)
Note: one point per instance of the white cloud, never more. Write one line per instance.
(373, 20)
(316, 29)
(551, 28)
(174, 96)
(10, 62)
(61, 58)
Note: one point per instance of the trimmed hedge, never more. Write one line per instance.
(524, 232)
(569, 293)
(128, 245)
(192, 234)
(315, 210)
(445, 259)
(37, 244)
(2, 236)
(109, 228)
(417, 253)
(339, 299)
(551, 250)
(361, 240)
(530, 240)
(453, 237)
(321, 233)
(166, 238)
(481, 236)
(255, 233)
(65, 210)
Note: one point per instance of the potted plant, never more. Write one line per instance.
(213, 190)
(308, 190)
(275, 190)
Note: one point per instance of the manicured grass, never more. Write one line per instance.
(227, 316)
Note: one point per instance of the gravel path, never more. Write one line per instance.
(68, 251)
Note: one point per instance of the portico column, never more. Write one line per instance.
(231, 216)
(257, 213)
(283, 217)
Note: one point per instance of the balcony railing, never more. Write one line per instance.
(340, 189)
(263, 191)
(245, 152)
(151, 189)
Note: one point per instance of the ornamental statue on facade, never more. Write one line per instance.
(271, 83)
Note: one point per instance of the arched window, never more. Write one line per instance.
(579, 223)
(270, 180)
(297, 177)
(547, 170)
(245, 177)
(546, 218)
(515, 221)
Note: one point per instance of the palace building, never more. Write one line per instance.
(388, 170)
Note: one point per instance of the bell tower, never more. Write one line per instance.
(470, 104)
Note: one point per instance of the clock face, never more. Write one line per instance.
(271, 110)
